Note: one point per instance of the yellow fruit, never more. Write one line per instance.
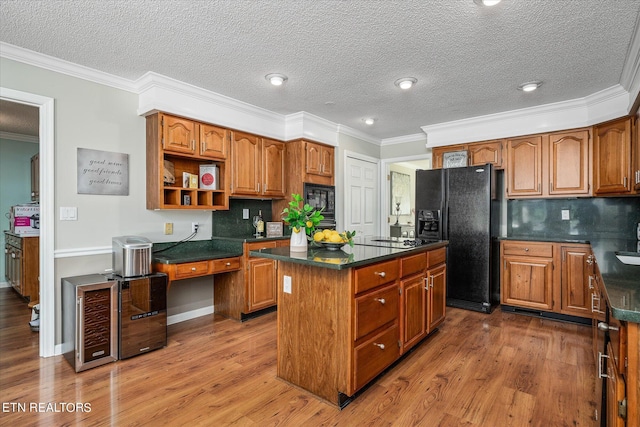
(326, 233)
(309, 224)
(335, 238)
(318, 236)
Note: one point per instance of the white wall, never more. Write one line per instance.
(90, 115)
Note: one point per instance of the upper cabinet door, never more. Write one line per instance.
(245, 164)
(326, 154)
(569, 163)
(486, 152)
(213, 141)
(612, 158)
(313, 158)
(179, 135)
(273, 170)
(524, 171)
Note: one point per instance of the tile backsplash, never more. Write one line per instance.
(605, 217)
(230, 223)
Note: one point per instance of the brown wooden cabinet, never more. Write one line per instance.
(259, 278)
(319, 159)
(569, 163)
(612, 158)
(549, 165)
(635, 151)
(479, 153)
(176, 146)
(616, 401)
(437, 281)
(527, 275)
(575, 294)
(300, 157)
(257, 166)
(22, 264)
(524, 170)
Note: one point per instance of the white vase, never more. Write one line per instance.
(298, 241)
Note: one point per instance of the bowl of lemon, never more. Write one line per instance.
(333, 240)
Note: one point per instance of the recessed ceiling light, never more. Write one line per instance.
(486, 2)
(370, 121)
(406, 82)
(276, 79)
(530, 86)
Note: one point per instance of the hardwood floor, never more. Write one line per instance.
(478, 370)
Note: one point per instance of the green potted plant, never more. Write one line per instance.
(302, 220)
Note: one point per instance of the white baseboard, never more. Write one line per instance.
(188, 315)
(5, 285)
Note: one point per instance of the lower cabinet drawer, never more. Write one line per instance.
(192, 269)
(375, 275)
(528, 248)
(375, 355)
(375, 309)
(226, 264)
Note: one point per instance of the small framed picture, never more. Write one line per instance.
(274, 229)
(186, 200)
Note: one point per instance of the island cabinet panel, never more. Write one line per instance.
(315, 338)
(437, 280)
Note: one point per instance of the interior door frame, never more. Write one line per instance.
(46, 120)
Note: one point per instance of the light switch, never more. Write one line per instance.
(245, 213)
(68, 213)
(287, 285)
(565, 215)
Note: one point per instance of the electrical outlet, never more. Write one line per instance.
(245, 213)
(168, 228)
(287, 284)
(194, 227)
(565, 215)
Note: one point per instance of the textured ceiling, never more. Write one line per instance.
(342, 57)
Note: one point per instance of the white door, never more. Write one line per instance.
(361, 196)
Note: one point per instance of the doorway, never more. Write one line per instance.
(45, 106)
(398, 204)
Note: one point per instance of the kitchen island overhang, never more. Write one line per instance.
(345, 316)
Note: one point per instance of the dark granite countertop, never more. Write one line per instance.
(191, 251)
(621, 281)
(249, 238)
(348, 257)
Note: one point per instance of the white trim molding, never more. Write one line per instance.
(19, 137)
(306, 125)
(188, 315)
(47, 217)
(605, 105)
(71, 253)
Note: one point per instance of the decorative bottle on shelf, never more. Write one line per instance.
(258, 223)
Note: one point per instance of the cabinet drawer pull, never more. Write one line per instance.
(381, 300)
(228, 264)
(381, 274)
(606, 327)
(526, 249)
(600, 357)
(381, 346)
(193, 269)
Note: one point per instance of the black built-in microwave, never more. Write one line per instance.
(322, 197)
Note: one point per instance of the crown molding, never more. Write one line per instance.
(607, 104)
(305, 125)
(630, 77)
(160, 93)
(346, 130)
(406, 139)
(58, 65)
(19, 137)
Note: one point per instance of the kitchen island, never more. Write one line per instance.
(345, 316)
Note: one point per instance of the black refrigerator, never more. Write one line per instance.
(461, 205)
